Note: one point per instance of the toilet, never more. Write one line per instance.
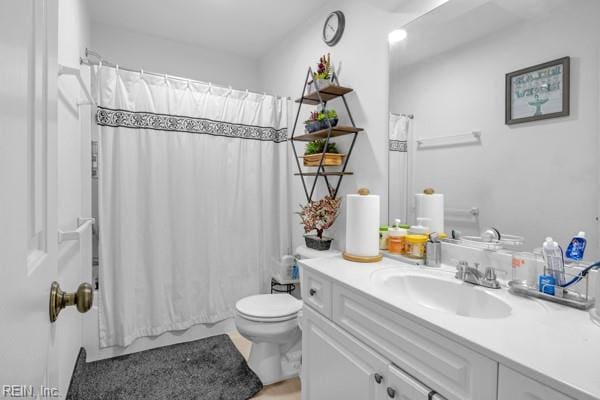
(270, 322)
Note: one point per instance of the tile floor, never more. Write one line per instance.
(286, 390)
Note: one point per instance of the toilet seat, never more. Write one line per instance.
(268, 307)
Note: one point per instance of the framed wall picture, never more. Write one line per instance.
(538, 92)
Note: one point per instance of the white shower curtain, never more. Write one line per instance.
(398, 174)
(193, 201)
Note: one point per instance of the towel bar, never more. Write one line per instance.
(82, 225)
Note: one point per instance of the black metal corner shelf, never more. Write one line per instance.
(322, 96)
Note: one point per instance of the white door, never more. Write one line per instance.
(337, 366)
(28, 235)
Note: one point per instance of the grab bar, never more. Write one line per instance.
(82, 225)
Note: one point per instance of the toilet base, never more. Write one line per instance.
(274, 363)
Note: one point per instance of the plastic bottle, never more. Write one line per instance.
(576, 248)
(383, 237)
(554, 260)
(421, 228)
(397, 238)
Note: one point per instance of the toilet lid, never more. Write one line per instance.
(269, 305)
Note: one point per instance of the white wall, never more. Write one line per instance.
(137, 50)
(535, 179)
(73, 177)
(361, 57)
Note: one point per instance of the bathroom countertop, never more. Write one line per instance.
(553, 344)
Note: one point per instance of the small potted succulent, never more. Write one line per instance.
(318, 216)
(331, 116)
(314, 151)
(320, 120)
(322, 77)
(313, 124)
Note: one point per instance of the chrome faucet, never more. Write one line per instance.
(473, 275)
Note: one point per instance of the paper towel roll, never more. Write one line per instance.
(431, 206)
(362, 225)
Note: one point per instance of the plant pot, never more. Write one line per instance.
(312, 126)
(313, 242)
(322, 83)
(331, 159)
(325, 125)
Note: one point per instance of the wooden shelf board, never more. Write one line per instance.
(324, 173)
(337, 131)
(328, 93)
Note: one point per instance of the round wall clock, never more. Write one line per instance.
(333, 28)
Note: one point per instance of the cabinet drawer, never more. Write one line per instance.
(450, 369)
(316, 292)
(404, 386)
(514, 386)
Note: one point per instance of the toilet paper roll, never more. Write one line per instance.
(431, 206)
(362, 225)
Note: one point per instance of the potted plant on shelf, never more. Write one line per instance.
(312, 124)
(331, 116)
(314, 151)
(318, 216)
(321, 120)
(322, 77)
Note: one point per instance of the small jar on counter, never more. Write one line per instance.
(415, 246)
(383, 237)
(397, 238)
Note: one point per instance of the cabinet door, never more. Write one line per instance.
(402, 386)
(514, 386)
(455, 371)
(335, 366)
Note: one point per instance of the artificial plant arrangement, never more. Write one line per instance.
(322, 76)
(318, 216)
(317, 146)
(321, 120)
(313, 153)
(323, 68)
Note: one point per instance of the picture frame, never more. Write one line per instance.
(538, 92)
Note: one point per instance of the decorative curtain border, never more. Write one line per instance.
(398, 145)
(178, 123)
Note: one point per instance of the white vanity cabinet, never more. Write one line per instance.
(350, 344)
(360, 345)
(336, 366)
(514, 386)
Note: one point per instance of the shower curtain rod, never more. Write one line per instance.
(409, 116)
(100, 60)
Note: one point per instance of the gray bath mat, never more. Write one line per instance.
(207, 369)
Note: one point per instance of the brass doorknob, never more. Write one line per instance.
(82, 298)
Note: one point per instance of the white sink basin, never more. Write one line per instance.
(443, 294)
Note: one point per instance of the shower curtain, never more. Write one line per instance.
(398, 130)
(193, 201)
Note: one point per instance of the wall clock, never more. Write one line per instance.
(333, 28)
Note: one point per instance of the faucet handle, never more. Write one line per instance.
(460, 270)
(490, 274)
